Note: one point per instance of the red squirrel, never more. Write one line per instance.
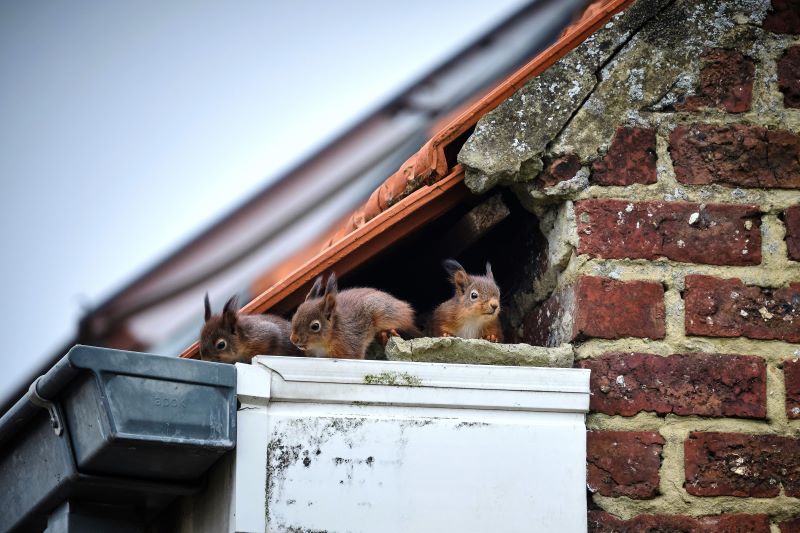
(343, 324)
(233, 338)
(474, 311)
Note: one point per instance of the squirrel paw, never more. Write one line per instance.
(491, 338)
(386, 334)
(445, 334)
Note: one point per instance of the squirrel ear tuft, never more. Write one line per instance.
(452, 266)
(329, 304)
(316, 289)
(489, 270)
(207, 305)
(232, 304)
(331, 287)
(457, 273)
(229, 316)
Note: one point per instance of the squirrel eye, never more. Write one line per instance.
(315, 325)
(473, 295)
(221, 344)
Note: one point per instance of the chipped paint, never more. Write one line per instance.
(337, 474)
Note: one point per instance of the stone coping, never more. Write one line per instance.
(477, 351)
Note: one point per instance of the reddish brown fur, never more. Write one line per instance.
(463, 316)
(349, 320)
(245, 336)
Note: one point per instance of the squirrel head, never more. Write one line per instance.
(478, 296)
(219, 338)
(312, 323)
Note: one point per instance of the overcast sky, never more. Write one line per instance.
(126, 127)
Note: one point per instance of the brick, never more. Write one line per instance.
(602, 522)
(784, 17)
(559, 169)
(686, 384)
(609, 309)
(598, 307)
(631, 158)
(735, 155)
(726, 83)
(791, 374)
(623, 463)
(717, 307)
(790, 526)
(789, 76)
(714, 234)
(791, 219)
(737, 464)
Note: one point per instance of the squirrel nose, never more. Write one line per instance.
(494, 305)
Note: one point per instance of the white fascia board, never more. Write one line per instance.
(299, 379)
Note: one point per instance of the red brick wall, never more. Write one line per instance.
(686, 307)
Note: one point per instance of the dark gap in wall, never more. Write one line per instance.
(452, 149)
(493, 227)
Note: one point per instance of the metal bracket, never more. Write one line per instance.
(52, 409)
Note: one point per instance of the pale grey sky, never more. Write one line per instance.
(128, 126)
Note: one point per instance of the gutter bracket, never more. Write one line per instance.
(55, 417)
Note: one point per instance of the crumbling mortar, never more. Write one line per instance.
(773, 352)
(672, 273)
(772, 201)
(774, 252)
(671, 424)
(679, 502)
(776, 395)
(673, 304)
(767, 97)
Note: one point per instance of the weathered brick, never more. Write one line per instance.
(610, 309)
(602, 522)
(543, 325)
(716, 234)
(687, 384)
(631, 158)
(623, 463)
(598, 307)
(790, 526)
(717, 307)
(735, 155)
(791, 218)
(784, 17)
(737, 464)
(559, 169)
(791, 374)
(726, 82)
(789, 76)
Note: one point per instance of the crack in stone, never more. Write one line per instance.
(597, 73)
